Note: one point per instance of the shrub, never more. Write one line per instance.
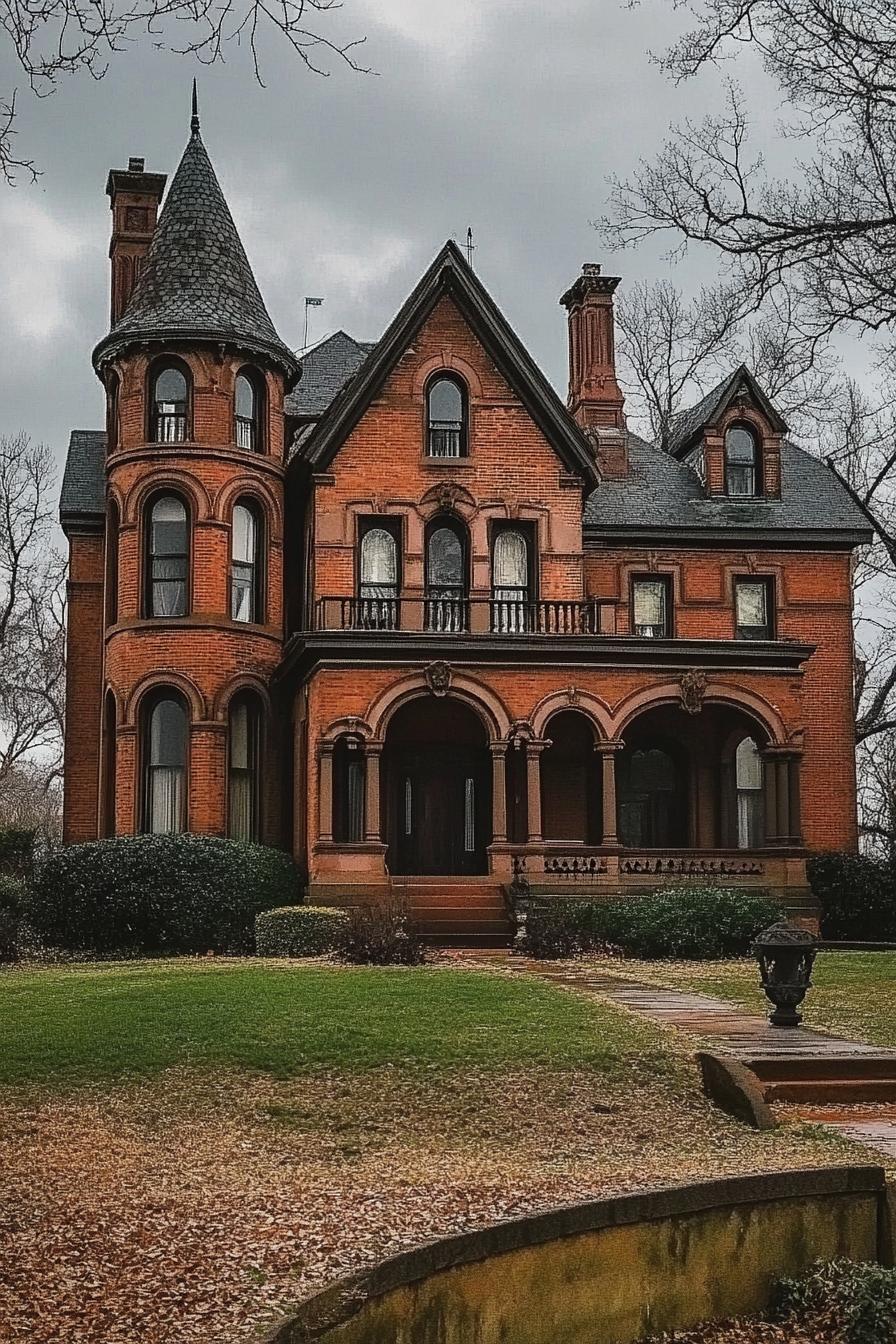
(690, 923)
(300, 931)
(155, 893)
(16, 852)
(380, 933)
(12, 893)
(855, 1301)
(857, 896)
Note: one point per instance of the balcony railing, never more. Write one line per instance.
(453, 616)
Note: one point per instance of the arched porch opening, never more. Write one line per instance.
(571, 799)
(436, 789)
(688, 781)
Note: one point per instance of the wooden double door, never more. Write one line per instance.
(438, 811)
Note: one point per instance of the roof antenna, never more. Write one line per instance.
(470, 248)
(194, 119)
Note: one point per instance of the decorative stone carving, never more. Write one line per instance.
(521, 734)
(448, 496)
(573, 695)
(693, 689)
(438, 678)
(682, 866)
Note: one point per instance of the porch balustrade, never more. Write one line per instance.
(453, 616)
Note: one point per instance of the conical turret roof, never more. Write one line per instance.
(196, 283)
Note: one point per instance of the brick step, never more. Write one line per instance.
(456, 901)
(454, 928)
(815, 1068)
(445, 919)
(844, 1091)
(476, 941)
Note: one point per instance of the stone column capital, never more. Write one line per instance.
(608, 746)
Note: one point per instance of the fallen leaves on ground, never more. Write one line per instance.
(193, 1208)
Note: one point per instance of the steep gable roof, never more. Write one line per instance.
(688, 424)
(325, 371)
(451, 275)
(196, 282)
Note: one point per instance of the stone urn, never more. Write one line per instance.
(786, 954)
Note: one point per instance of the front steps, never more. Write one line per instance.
(827, 1079)
(463, 911)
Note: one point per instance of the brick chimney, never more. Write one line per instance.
(134, 197)
(594, 395)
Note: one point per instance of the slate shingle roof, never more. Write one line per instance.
(83, 495)
(662, 494)
(687, 424)
(325, 371)
(196, 282)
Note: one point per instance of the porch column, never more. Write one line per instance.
(607, 751)
(770, 782)
(782, 767)
(373, 753)
(533, 790)
(325, 793)
(499, 793)
(796, 821)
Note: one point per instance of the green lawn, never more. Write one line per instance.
(88, 1024)
(853, 993)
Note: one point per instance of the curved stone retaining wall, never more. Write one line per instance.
(608, 1272)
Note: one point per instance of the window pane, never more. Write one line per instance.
(749, 819)
(446, 559)
(243, 534)
(169, 526)
(239, 736)
(242, 820)
(170, 389)
(446, 404)
(740, 446)
(649, 601)
(379, 559)
(245, 398)
(748, 765)
(740, 461)
(166, 760)
(752, 605)
(511, 560)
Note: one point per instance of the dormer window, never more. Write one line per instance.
(446, 409)
(169, 405)
(741, 462)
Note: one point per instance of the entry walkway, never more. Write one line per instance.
(795, 1064)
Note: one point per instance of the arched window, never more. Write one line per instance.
(112, 526)
(446, 577)
(247, 407)
(510, 581)
(164, 750)
(741, 462)
(446, 410)
(169, 405)
(348, 791)
(748, 777)
(109, 763)
(244, 768)
(246, 566)
(168, 556)
(378, 580)
(112, 391)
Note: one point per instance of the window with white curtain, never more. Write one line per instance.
(169, 556)
(378, 580)
(650, 608)
(243, 768)
(510, 581)
(165, 756)
(245, 569)
(754, 607)
(749, 778)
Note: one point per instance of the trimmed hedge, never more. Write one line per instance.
(686, 923)
(857, 895)
(300, 931)
(12, 896)
(16, 852)
(158, 893)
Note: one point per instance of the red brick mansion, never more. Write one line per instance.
(395, 607)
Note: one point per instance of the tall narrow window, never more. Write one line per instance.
(510, 582)
(446, 579)
(168, 558)
(348, 791)
(741, 462)
(651, 608)
(447, 419)
(247, 413)
(112, 413)
(112, 526)
(378, 580)
(753, 599)
(243, 773)
(748, 771)
(246, 591)
(165, 765)
(169, 405)
(110, 753)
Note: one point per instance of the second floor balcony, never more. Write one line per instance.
(453, 615)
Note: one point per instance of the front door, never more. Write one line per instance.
(439, 814)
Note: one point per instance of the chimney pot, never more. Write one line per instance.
(136, 165)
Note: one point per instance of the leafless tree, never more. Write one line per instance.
(823, 237)
(32, 615)
(51, 39)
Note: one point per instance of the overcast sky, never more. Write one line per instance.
(507, 115)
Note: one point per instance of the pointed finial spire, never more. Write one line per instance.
(194, 119)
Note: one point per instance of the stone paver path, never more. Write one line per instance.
(748, 1037)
